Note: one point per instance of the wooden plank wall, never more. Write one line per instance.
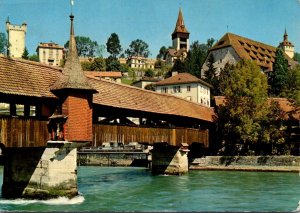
(126, 134)
(21, 132)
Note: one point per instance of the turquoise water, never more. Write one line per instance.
(135, 189)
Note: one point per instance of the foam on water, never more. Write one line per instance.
(56, 201)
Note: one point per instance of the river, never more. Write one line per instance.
(135, 189)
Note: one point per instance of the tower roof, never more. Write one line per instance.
(180, 27)
(73, 76)
(286, 41)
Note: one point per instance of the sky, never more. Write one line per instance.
(153, 21)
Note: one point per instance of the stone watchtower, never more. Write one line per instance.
(180, 36)
(16, 39)
(287, 46)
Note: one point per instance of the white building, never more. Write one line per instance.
(50, 53)
(138, 62)
(187, 86)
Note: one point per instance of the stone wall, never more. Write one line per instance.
(268, 163)
(113, 159)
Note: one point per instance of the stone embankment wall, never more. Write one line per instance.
(112, 159)
(247, 163)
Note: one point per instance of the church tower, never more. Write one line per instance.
(287, 46)
(16, 39)
(180, 36)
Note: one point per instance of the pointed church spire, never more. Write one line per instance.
(180, 27)
(285, 36)
(73, 76)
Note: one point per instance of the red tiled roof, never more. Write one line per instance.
(28, 78)
(182, 78)
(180, 27)
(112, 74)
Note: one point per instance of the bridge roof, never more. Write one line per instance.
(27, 78)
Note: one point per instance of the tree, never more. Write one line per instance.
(195, 58)
(210, 42)
(223, 79)
(113, 45)
(25, 54)
(86, 65)
(278, 77)
(210, 73)
(34, 57)
(138, 48)
(98, 64)
(112, 64)
(162, 53)
(85, 46)
(3, 43)
(246, 109)
(292, 88)
(149, 73)
(297, 57)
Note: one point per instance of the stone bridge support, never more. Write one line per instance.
(170, 160)
(41, 172)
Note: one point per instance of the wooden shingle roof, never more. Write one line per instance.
(26, 78)
(182, 78)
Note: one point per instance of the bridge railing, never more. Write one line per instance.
(22, 132)
(126, 134)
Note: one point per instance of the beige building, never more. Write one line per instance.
(114, 76)
(186, 86)
(50, 53)
(16, 38)
(138, 62)
(180, 41)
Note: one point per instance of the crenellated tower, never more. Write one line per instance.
(16, 39)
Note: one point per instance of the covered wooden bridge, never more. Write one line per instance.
(120, 112)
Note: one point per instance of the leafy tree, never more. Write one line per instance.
(162, 53)
(124, 68)
(195, 58)
(85, 46)
(210, 73)
(138, 48)
(297, 57)
(98, 64)
(86, 65)
(223, 79)
(210, 42)
(112, 64)
(113, 45)
(149, 73)
(25, 54)
(292, 88)
(278, 78)
(34, 57)
(3, 43)
(240, 120)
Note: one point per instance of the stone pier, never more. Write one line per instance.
(170, 160)
(41, 172)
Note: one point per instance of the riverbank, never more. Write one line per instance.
(247, 163)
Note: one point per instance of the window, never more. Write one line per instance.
(164, 90)
(188, 88)
(4, 109)
(20, 109)
(176, 89)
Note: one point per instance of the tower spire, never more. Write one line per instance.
(73, 76)
(180, 27)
